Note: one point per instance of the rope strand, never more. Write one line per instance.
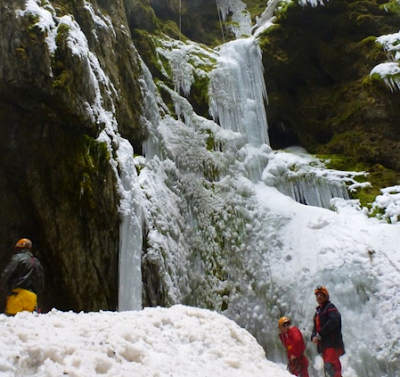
(180, 19)
(220, 22)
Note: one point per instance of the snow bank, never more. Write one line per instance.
(179, 341)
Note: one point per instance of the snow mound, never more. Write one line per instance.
(178, 341)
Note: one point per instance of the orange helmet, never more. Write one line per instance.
(282, 321)
(24, 243)
(323, 290)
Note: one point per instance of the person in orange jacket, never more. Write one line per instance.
(292, 339)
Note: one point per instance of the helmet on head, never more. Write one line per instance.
(282, 321)
(24, 243)
(323, 290)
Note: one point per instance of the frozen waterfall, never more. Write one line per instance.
(131, 239)
(238, 92)
(237, 101)
(241, 24)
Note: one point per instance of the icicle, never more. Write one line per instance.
(240, 16)
(389, 73)
(131, 243)
(238, 92)
(313, 3)
(312, 191)
(306, 179)
(151, 117)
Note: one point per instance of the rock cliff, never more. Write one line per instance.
(57, 186)
(317, 63)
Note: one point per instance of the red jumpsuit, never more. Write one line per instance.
(294, 344)
(331, 346)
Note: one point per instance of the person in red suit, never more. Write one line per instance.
(327, 333)
(292, 339)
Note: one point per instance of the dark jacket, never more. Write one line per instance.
(23, 271)
(330, 327)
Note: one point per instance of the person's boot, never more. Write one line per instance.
(329, 371)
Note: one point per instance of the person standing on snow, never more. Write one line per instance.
(292, 339)
(327, 333)
(24, 279)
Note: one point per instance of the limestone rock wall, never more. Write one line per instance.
(57, 186)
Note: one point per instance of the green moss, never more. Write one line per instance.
(96, 153)
(33, 19)
(62, 75)
(22, 53)
(162, 73)
(392, 7)
(368, 42)
(62, 8)
(198, 96)
(370, 80)
(167, 99)
(211, 173)
(377, 175)
(84, 178)
(171, 29)
(61, 80)
(210, 141)
(92, 159)
(371, 49)
(283, 8)
(255, 8)
(164, 63)
(147, 47)
(62, 33)
(355, 144)
(338, 162)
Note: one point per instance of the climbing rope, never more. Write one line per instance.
(180, 19)
(220, 22)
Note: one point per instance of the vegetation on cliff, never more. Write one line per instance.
(317, 63)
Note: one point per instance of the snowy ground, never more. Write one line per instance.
(158, 342)
(357, 259)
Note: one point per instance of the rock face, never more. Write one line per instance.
(198, 19)
(57, 186)
(317, 69)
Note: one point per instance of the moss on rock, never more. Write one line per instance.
(317, 69)
(376, 174)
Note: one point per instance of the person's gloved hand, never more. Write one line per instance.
(316, 338)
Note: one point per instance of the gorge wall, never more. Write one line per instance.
(57, 186)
